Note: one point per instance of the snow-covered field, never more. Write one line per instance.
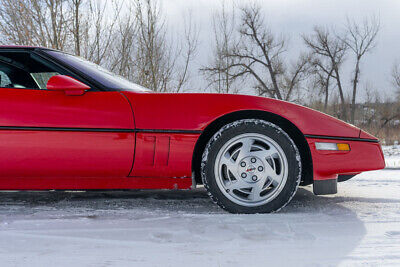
(358, 226)
(392, 156)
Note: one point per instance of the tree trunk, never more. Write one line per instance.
(355, 83)
(342, 100)
(327, 90)
(77, 29)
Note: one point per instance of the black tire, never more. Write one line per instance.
(253, 126)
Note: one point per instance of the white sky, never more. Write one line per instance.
(294, 17)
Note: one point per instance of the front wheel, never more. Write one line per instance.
(251, 166)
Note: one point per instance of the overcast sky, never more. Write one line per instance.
(294, 17)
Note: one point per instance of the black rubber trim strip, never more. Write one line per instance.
(23, 128)
(134, 125)
(341, 138)
(167, 131)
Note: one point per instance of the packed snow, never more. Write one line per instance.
(358, 226)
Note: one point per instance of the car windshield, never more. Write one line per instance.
(96, 72)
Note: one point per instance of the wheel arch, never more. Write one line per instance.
(291, 129)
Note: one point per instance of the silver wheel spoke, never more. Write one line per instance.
(229, 163)
(276, 179)
(246, 147)
(262, 154)
(257, 189)
(238, 184)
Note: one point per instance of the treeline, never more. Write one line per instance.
(128, 37)
(132, 38)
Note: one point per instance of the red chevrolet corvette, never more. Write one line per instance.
(66, 123)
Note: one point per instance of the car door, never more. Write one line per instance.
(49, 134)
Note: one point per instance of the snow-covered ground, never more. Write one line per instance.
(392, 156)
(358, 226)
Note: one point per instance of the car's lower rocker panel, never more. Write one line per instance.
(88, 183)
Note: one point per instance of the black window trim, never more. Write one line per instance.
(94, 85)
(17, 67)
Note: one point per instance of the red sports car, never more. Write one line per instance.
(68, 124)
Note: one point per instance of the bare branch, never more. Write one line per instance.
(360, 39)
(329, 53)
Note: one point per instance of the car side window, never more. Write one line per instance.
(4, 80)
(14, 77)
(41, 78)
(22, 70)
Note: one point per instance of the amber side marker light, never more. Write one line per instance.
(332, 146)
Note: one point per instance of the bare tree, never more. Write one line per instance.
(383, 112)
(260, 51)
(76, 8)
(219, 72)
(396, 78)
(98, 30)
(153, 59)
(322, 79)
(49, 23)
(257, 52)
(157, 59)
(294, 76)
(386, 113)
(360, 39)
(188, 51)
(329, 53)
(55, 29)
(123, 51)
(34, 22)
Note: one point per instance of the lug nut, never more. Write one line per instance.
(260, 168)
(254, 178)
(244, 175)
(253, 160)
(243, 164)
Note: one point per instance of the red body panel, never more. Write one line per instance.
(57, 151)
(63, 159)
(41, 108)
(60, 154)
(196, 111)
(363, 156)
(365, 135)
(164, 155)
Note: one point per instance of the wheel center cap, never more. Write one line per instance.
(251, 169)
